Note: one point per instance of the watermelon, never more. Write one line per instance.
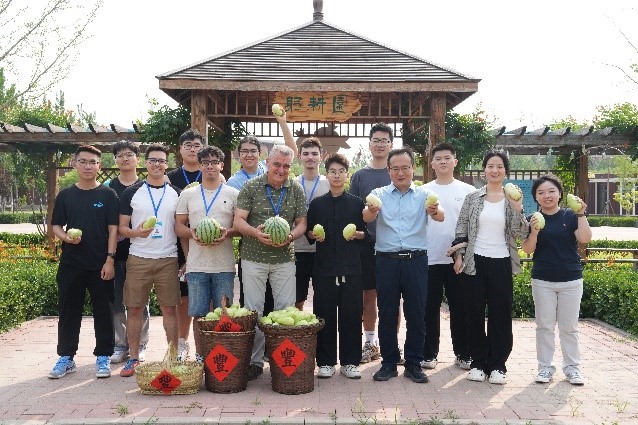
(208, 230)
(277, 228)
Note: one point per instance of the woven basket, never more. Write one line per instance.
(246, 322)
(235, 348)
(292, 377)
(188, 372)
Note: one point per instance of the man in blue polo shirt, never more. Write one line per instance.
(402, 263)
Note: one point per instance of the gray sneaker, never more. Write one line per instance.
(429, 363)
(63, 366)
(575, 378)
(119, 355)
(544, 376)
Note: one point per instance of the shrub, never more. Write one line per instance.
(22, 239)
(20, 217)
(611, 221)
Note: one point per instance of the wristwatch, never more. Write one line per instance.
(110, 254)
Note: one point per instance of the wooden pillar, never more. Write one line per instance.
(582, 185)
(52, 192)
(437, 131)
(199, 112)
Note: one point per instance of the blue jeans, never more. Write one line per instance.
(207, 288)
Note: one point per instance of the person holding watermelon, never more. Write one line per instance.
(270, 256)
(210, 264)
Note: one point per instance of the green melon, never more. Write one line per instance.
(277, 228)
(208, 230)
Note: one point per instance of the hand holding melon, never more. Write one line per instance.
(74, 233)
(575, 203)
(539, 220)
(319, 232)
(278, 229)
(278, 110)
(349, 231)
(513, 191)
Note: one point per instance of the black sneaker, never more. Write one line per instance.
(254, 371)
(415, 373)
(385, 373)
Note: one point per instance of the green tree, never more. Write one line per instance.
(468, 133)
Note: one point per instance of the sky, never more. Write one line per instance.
(538, 61)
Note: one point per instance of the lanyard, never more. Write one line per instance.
(156, 208)
(207, 206)
(248, 176)
(281, 198)
(312, 192)
(199, 174)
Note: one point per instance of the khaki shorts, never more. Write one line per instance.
(144, 274)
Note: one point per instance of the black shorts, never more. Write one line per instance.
(368, 267)
(304, 262)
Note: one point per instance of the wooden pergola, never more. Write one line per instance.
(322, 75)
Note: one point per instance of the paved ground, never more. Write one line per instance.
(610, 396)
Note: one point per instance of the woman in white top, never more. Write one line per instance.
(488, 224)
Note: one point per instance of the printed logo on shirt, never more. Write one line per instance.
(98, 205)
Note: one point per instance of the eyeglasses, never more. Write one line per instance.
(280, 165)
(189, 146)
(155, 161)
(125, 155)
(339, 172)
(212, 162)
(404, 169)
(249, 151)
(379, 141)
(84, 162)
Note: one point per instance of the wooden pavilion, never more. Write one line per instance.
(324, 76)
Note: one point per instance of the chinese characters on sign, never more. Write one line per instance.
(288, 357)
(221, 362)
(322, 106)
(166, 382)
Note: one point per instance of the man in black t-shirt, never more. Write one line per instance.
(126, 155)
(190, 142)
(86, 262)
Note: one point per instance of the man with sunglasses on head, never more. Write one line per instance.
(210, 266)
(190, 143)
(152, 261)
(269, 195)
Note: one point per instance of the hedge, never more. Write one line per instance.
(20, 217)
(612, 221)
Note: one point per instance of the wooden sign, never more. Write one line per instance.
(318, 106)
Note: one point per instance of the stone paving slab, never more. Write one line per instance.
(610, 396)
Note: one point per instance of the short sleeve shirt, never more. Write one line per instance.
(254, 198)
(209, 259)
(363, 182)
(322, 187)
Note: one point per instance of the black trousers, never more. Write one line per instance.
(72, 286)
(339, 302)
(440, 277)
(492, 286)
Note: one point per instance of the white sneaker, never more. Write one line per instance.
(429, 363)
(182, 350)
(141, 355)
(575, 378)
(351, 371)
(326, 372)
(463, 364)
(476, 375)
(498, 377)
(119, 356)
(543, 377)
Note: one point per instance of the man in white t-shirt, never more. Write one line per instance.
(441, 274)
(210, 267)
(313, 185)
(152, 261)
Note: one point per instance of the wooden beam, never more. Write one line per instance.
(496, 132)
(607, 131)
(34, 128)
(55, 129)
(540, 131)
(560, 132)
(12, 128)
(518, 131)
(585, 131)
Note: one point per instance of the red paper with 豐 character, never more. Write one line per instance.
(221, 362)
(166, 382)
(288, 357)
(227, 325)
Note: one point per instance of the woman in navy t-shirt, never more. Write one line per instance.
(557, 277)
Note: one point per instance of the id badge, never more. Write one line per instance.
(158, 231)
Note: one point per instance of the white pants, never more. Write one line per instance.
(284, 291)
(557, 302)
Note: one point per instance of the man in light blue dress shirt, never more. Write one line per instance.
(402, 263)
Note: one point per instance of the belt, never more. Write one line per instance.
(403, 255)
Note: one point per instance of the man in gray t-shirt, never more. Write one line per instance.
(361, 184)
